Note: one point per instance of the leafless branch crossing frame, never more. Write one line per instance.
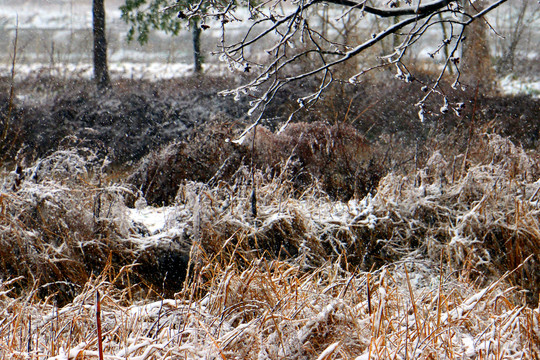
(296, 41)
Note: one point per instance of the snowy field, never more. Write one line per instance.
(62, 33)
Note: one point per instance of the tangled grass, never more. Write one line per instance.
(337, 156)
(441, 263)
(275, 310)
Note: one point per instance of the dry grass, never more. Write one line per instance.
(439, 264)
(274, 310)
(482, 210)
(337, 156)
(61, 219)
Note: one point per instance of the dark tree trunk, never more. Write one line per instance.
(196, 36)
(101, 71)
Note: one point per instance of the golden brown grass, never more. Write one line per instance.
(439, 264)
(274, 310)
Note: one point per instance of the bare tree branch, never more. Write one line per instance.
(413, 10)
(284, 43)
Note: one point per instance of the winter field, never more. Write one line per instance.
(133, 227)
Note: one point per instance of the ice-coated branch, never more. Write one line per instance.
(281, 68)
(272, 71)
(282, 42)
(412, 10)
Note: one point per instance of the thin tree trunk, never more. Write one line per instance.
(101, 71)
(506, 63)
(445, 48)
(196, 36)
(476, 58)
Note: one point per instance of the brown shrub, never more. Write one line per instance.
(337, 156)
(205, 154)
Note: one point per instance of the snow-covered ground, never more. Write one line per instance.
(127, 70)
(512, 84)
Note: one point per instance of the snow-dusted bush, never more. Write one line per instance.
(61, 222)
(338, 157)
(481, 217)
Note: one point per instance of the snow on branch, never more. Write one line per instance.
(328, 41)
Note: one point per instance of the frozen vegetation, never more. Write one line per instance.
(438, 263)
(135, 224)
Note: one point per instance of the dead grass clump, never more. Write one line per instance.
(308, 229)
(338, 157)
(482, 215)
(59, 224)
(47, 225)
(207, 153)
(274, 310)
(284, 314)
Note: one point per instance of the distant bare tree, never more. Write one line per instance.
(101, 70)
(526, 13)
(476, 61)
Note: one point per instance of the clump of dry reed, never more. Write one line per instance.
(275, 310)
(336, 156)
(481, 209)
(61, 219)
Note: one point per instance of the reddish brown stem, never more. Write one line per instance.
(98, 322)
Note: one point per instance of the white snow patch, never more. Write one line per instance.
(154, 219)
(119, 70)
(513, 85)
(152, 308)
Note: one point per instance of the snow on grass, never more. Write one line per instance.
(154, 219)
(245, 301)
(274, 310)
(121, 70)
